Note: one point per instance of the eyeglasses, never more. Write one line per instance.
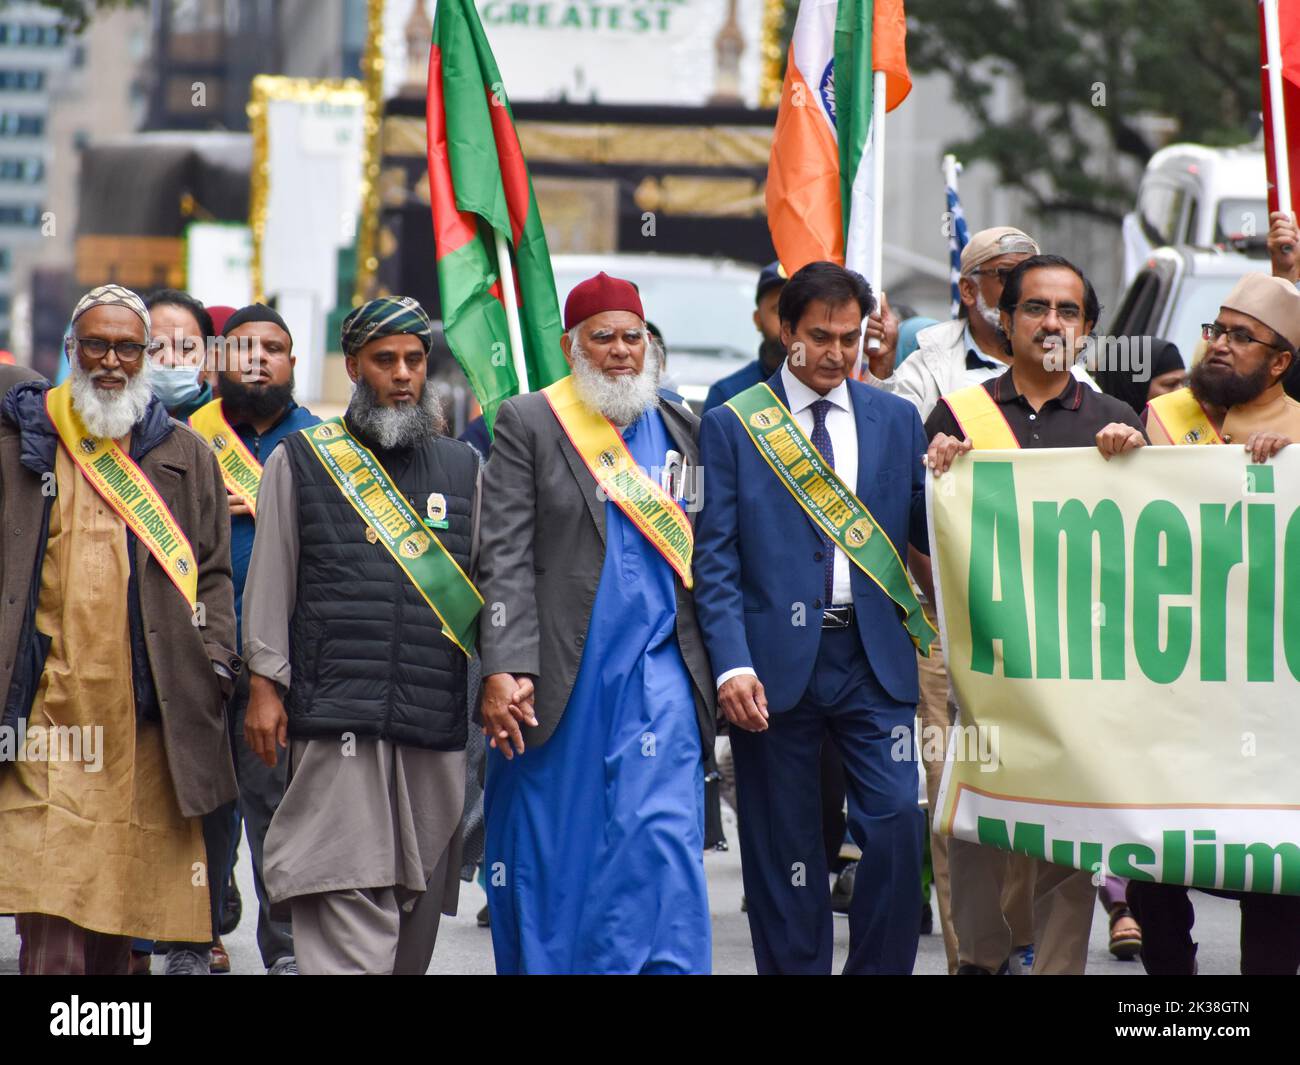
(1066, 312)
(1001, 273)
(1237, 336)
(127, 351)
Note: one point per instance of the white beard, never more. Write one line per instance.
(989, 314)
(109, 415)
(621, 399)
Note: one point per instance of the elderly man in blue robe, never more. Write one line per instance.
(598, 698)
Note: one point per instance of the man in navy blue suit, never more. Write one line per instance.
(791, 571)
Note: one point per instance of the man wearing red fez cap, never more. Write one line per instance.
(598, 697)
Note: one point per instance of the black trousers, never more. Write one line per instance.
(1270, 930)
(834, 820)
(260, 790)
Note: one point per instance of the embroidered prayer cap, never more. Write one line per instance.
(601, 293)
(113, 296)
(254, 312)
(385, 317)
(990, 243)
(1272, 300)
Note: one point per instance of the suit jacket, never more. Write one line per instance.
(541, 552)
(758, 564)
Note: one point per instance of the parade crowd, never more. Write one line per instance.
(393, 659)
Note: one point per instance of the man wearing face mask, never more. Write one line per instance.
(252, 414)
(182, 329)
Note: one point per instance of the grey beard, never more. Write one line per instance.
(989, 314)
(620, 399)
(109, 415)
(395, 427)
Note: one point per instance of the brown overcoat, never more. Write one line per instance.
(184, 649)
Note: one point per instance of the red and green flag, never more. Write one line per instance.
(479, 186)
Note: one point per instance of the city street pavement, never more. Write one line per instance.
(465, 948)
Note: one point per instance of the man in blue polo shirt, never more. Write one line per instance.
(255, 404)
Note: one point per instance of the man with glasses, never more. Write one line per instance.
(1234, 394)
(968, 350)
(116, 655)
(1047, 310)
(952, 355)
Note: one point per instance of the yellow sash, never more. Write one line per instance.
(239, 469)
(1183, 418)
(981, 419)
(657, 516)
(128, 491)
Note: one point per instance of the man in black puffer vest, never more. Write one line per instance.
(358, 620)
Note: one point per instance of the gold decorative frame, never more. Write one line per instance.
(265, 89)
(769, 80)
(372, 74)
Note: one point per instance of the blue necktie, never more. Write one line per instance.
(821, 440)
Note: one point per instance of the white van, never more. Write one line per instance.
(704, 308)
(1199, 197)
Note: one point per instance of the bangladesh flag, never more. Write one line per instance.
(479, 186)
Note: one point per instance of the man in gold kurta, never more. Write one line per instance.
(1235, 397)
(1235, 393)
(120, 676)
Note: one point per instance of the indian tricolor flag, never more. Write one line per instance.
(821, 184)
(480, 189)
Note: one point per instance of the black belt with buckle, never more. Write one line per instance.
(838, 617)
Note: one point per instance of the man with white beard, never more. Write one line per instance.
(598, 698)
(115, 572)
(359, 620)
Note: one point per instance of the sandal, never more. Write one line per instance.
(1125, 935)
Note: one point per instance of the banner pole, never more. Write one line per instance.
(878, 189)
(1277, 107)
(507, 276)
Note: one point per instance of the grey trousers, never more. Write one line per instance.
(366, 931)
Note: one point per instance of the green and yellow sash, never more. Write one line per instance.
(389, 518)
(655, 513)
(981, 419)
(828, 501)
(1183, 418)
(239, 469)
(125, 488)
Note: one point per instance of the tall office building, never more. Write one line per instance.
(34, 51)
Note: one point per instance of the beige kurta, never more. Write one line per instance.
(1274, 411)
(364, 813)
(106, 849)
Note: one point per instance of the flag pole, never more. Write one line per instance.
(878, 189)
(507, 275)
(951, 168)
(1277, 108)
